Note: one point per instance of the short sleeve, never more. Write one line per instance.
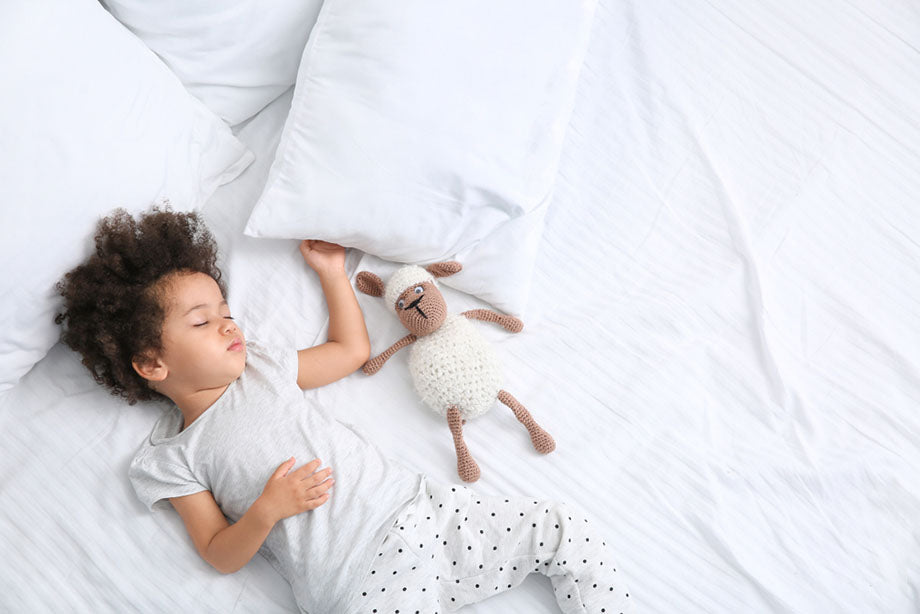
(284, 358)
(155, 480)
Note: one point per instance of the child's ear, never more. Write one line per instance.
(149, 367)
(368, 283)
(444, 269)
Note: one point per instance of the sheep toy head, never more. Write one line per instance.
(412, 292)
(453, 368)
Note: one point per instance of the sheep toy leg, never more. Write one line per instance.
(466, 466)
(542, 441)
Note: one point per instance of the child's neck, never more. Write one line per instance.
(193, 404)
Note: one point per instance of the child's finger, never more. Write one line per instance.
(316, 491)
(308, 469)
(312, 504)
(319, 476)
(283, 468)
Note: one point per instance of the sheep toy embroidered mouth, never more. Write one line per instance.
(415, 306)
(453, 368)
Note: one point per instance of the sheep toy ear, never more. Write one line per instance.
(368, 283)
(444, 269)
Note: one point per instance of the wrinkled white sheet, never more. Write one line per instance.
(722, 338)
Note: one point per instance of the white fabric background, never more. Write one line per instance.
(723, 340)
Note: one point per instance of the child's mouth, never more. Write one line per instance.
(236, 346)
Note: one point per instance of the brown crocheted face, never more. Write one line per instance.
(421, 308)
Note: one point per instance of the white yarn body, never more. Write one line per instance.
(455, 365)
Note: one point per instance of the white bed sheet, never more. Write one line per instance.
(722, 338)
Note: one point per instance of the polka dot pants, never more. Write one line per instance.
(451, 547)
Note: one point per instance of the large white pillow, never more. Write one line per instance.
(235, 56)
(90, 120)
(421, 131)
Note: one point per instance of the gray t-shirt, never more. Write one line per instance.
(232, 449)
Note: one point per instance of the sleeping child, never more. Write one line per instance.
(251, 467)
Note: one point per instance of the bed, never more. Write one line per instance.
(720, 324)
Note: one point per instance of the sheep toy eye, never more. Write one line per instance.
(419, 289)
(401, 304)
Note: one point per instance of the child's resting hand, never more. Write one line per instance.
(324, 258)
(288, 493)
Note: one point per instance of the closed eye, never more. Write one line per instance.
(205, 323)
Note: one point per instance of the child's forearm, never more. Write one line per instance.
(232, 547)
(346, 321)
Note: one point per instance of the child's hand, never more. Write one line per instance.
(288, 493)
(324, 258)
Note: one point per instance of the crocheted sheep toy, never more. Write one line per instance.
(453, 367)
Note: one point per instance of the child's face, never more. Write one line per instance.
(203, 348)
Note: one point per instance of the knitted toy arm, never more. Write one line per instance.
(509, 323)
(374, 364)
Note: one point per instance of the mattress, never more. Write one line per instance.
(721, 336)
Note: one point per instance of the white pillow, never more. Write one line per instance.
(236, 57)
(90, 120)
(421, 131)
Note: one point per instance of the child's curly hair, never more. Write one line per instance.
(113, 303)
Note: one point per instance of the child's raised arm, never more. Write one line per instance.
(348, 346)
